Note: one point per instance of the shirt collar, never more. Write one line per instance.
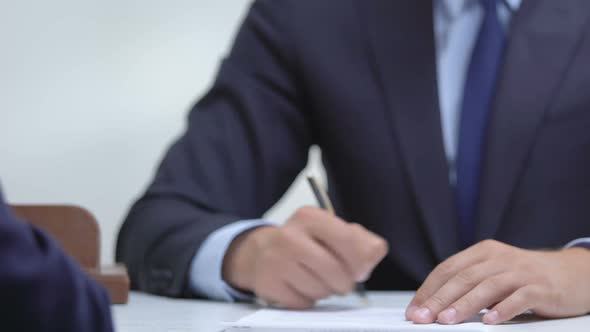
(454, 8)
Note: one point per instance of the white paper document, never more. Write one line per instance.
(340, 319)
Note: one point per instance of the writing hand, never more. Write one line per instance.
(314, 255)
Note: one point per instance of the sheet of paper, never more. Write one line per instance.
(340, 319)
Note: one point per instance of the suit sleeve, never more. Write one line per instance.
(581, 242)
(246, 141)
(43, 289)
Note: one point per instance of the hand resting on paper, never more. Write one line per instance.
(506, 279)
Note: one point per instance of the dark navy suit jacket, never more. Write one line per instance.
(358, 79)
(40, 288)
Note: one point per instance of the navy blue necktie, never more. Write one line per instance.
(479, 88)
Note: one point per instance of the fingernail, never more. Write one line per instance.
(410, 311)
(448, 316)
(423, 315)
(492, 317)
(364, 277)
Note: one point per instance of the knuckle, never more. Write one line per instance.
(496, 284)
(524, 266)
(467, 277)
(267, 240)
(283, 239)
(519, 297)
(381, 246)
(531, 293)
(437, 300)
(355, 227)
(350, 233)
(516, 300)
(420, 296)
(526, 293)
(445, 269)
(489, 243)
(506, 306)
(271, 258)
(435, 303)
(376, 249)
(465, 304)
(303, 214)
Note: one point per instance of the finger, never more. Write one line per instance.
(324, 265)
(304, 282)
(448, 269)
(270, 281)
(489, 291)
(371, 248)
(359, 249)
(517, 303)
(280, 293)
(455, 288)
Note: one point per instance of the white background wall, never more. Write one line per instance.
(93, 91)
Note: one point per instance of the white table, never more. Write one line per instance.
(147, 313)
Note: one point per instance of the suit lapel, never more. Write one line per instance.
(402, 41)
(543, 38)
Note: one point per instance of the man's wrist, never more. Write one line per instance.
(239, 261)
(579, 258)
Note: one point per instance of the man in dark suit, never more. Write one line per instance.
(455, 132)
(43, 289)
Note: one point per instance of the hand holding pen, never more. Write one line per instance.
(312, 256)
(324, 202)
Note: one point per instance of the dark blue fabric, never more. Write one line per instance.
(479, 88)
(358, 79)
(41, 288)
(583, 245)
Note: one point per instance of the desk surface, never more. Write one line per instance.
(147, 313)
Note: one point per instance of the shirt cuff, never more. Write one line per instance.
(582, 242)
(206, 267)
